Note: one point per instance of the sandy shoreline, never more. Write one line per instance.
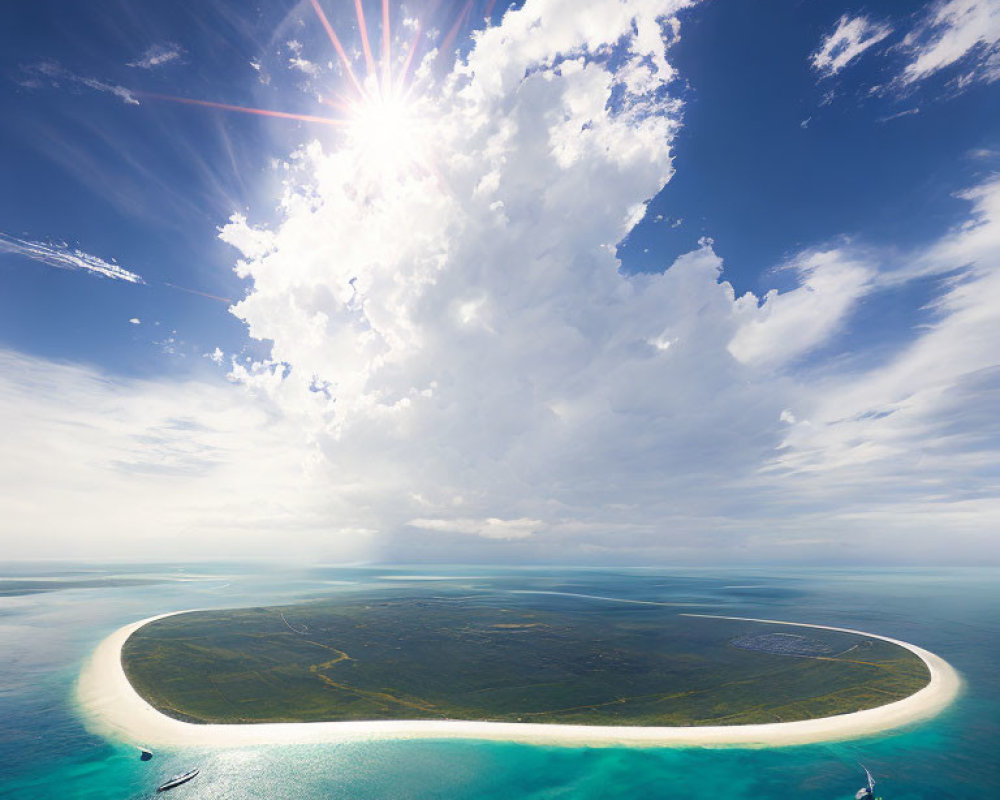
(112, 708)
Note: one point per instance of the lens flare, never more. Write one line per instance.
(263, 112)
(335, 41)
(386, 130)
(381, 120)
(386, 53)
(449, 40)
(365, 44)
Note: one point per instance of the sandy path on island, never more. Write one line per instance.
(112, 708)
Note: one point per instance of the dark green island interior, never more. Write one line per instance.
(505, 658)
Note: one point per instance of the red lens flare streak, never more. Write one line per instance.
(369, 61)
(341, 103)
(415, 43)
(450, 38)
(410, 54)
(383, 82)
(386, 49)
(225, 300)
(264, 112)
(337, 46)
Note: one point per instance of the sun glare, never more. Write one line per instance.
(382, 122)
(385, 130)
(380, 115)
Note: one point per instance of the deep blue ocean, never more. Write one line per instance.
(46, 752)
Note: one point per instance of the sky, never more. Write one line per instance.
(563, 281)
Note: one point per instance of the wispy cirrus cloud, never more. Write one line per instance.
(787, 325)
(61, 256)
(963, 35)
(851, 37)
(953, 32)
(54, 74)
(297, 62)
(157, 55)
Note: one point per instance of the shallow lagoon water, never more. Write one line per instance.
(46, 752)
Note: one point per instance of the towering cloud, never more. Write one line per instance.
(492, 373)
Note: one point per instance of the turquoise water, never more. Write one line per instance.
(45, 751)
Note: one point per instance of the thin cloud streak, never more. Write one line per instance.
(157, 55)
(35, 75)
(954, 32)
(225, 300)
(846, 43)
(62, 256)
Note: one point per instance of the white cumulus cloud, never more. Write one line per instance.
(786, 325)
(494, 362)
(458, 363)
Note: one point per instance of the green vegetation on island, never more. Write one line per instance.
(495, 657)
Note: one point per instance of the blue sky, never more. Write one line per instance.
(453, 303)
(762, 186)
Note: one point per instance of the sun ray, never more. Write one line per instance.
(450, 38)
(415, 42)
(228, 301)
(386, 49)
(341, 104)
(337, 46)
(489, 9)
(365, 45)
(264, 112)
(410, 53)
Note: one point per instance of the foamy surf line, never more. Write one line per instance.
(112, 708)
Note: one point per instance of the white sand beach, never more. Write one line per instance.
(112, 708)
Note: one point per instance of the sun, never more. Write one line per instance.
(386, 131)
(382, 122)
(377, 110)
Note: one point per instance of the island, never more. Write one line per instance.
(496, 667)
(448, 658)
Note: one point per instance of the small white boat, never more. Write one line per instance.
(866, 792)
(177, 780)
